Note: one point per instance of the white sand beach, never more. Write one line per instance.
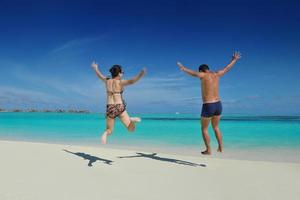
(54, 171)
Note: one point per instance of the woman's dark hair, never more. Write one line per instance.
(203, 68)
(115, 70)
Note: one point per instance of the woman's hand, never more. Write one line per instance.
(181, 67)
(94, 65)
(144, 70)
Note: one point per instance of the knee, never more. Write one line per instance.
(131, 127)
(216, 128)
(204, 130)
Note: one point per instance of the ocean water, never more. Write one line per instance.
(245, 137)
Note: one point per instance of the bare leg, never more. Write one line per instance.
(109, 128)
(129, 122)
(204, 127)
(215, 124)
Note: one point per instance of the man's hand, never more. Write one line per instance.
(144, 70)
(94, 65)
(237, 55)
(181, 67)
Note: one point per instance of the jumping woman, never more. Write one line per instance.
(116, 106)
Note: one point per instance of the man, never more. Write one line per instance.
(212, 107)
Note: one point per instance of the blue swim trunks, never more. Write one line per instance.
(211, 109)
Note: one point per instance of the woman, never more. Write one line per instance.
(116, 106)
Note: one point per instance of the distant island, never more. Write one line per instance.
(2, 110)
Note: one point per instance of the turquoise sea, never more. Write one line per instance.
(245, 137)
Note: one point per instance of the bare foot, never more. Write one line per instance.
(104, 138)
(206, 152)
(220, 149)
(135, 119)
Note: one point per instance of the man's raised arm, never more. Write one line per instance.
(189, 71)
(235, 57)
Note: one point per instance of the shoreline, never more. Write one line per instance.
(177, 115)
(260, 155)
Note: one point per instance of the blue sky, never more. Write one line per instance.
(47, 47)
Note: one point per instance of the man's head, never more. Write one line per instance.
(203, 68)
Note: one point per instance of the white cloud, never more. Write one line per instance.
(165, 94)
(11, 95)
(157, 93)
(41, 89)
(76, 43)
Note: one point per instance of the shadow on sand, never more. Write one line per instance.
(90, 158)
(155, 157)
